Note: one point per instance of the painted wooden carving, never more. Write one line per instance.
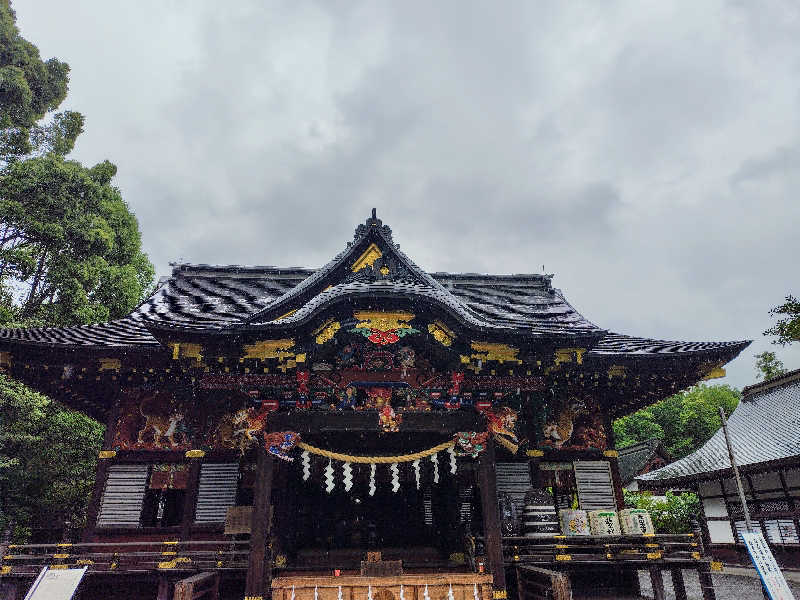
(575, 424)
(152, 420)
(383, 328)
(237, 430)
(502, 425)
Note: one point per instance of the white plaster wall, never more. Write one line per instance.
(720, 532)
(714, 507)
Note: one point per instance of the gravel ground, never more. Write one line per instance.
(727, 587)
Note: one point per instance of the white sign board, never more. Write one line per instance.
(58, 584)
(767, 568)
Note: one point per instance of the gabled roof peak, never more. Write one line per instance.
(373, 225)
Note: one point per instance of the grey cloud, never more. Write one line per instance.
(781, 162)
(598, 140)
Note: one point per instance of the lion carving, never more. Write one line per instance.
(161, 421)
(239, 429)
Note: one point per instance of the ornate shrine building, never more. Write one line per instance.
(271, 422)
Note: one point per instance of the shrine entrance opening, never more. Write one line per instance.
(418, 510)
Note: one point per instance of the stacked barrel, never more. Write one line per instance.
(539, 518)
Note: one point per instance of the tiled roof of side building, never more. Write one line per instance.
(128, 332)
(764, 427)
(634, 458)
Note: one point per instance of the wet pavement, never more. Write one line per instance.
(727, 586)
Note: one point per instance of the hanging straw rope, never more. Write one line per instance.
(375, 459)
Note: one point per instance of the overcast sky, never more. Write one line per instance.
(646, 153)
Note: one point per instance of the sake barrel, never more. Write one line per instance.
(635, 521)
(574, 522)
(539, 517)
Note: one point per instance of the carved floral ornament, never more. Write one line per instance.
(379, 327)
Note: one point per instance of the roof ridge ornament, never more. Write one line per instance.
(373, 223)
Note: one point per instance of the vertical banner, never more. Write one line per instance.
(58, 584)
(767, 568)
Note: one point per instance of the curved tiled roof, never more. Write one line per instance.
(616, 343)
(121, 333)
(205, 296)
(234, 298)
(769, 413)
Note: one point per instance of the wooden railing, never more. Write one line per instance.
(28, 559)
(653, 553)
(683, 548)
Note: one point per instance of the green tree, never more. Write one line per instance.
(71, 248)
(683, 422)
(29, 89)
(70, 253)
(48, 456)
(787, 329)
(671, 514)
(768, 366)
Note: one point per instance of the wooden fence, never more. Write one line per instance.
(653, 553)
(120, 557)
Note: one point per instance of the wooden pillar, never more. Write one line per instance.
(190, 499)
(678, 585)
(281, 511)
(704, 568)
(706, 582)
(259, 568)
(491, 520)
(101, 474)
(613, 462)
(658, 583)
(163, 589)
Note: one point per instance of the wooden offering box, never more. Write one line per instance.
(466, 586)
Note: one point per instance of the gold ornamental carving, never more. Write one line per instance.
(326, 331)
(502, 353)
(383, 321)
(566, 355)
(367, 259)
(270, 349)
(441, 333)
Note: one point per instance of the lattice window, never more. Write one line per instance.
(595, 486)
(217, 491)
(773, 505)
(123, 495)
(513, 478)
(781, 531)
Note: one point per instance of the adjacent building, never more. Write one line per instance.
(765, 434)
